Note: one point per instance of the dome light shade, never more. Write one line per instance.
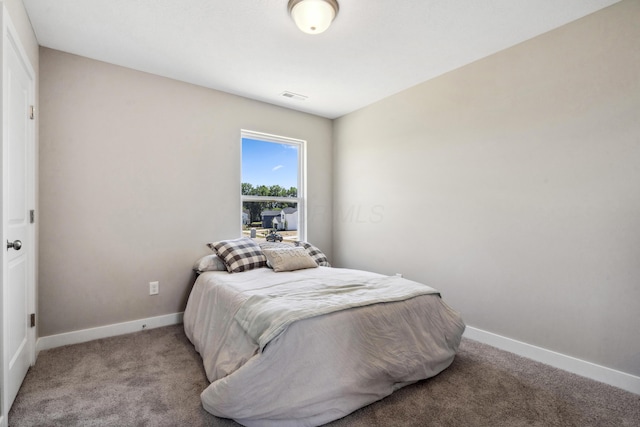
(313, 16)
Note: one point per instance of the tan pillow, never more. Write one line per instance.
(289, 259)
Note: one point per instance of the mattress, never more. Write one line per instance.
(307, 347)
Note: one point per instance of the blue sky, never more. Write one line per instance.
(268, 163)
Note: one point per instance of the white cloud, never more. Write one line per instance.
(276, 168)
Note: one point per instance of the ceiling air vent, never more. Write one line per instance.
(292, 95)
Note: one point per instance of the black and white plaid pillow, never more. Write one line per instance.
(318, 256)
(240, 254)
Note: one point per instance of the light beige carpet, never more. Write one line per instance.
(154, 378)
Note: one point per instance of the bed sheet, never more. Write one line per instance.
(320, 368)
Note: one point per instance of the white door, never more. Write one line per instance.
(18, 230)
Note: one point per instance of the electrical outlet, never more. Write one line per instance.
(154, 288)
(398, 274)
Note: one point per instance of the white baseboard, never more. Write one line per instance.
(571, 364)
(580, 367)
(84, 335)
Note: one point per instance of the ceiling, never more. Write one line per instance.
(252, 48)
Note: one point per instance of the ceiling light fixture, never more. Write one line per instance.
(313, 16)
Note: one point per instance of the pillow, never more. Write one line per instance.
(289, 259)
(239, 254)
(319, 257)
(209, 263)
(274, 245)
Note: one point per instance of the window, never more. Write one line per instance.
(273, 190)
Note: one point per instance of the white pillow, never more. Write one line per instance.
(289, 259)
(209, 263)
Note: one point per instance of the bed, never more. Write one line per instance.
(307, 346)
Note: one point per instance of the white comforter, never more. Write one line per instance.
(309, 367)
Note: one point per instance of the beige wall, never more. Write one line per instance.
(513, 186)
(137, 173)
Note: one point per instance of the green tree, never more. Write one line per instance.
(247, 189)
(256, 208)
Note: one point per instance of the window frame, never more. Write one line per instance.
(301, 198)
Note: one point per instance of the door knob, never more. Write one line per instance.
(15, 245)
